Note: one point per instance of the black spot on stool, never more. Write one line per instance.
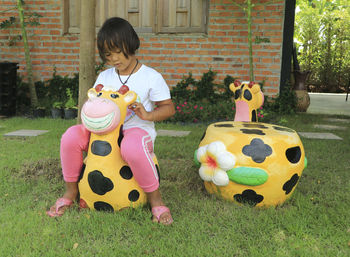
(290, 184)
(293, 154)
(101, 148)
(102, 206)
(254, 116)
(121, 135)
(157, 167)
(125, 172)
(98, 183)
(81, 172)
(134, 195)
(254, 125)
(224, 125)
(253, 131)
(283, 129)
(257, 150)
(249, 197)
(203, 136)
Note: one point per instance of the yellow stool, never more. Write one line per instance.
(249, 162)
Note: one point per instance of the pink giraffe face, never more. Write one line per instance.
(105, 109)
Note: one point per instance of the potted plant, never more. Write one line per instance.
(70, 107)
(300, 78)
(56, 110)
(39, 112)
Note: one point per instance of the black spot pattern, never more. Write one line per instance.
(103, 206)
(238, 94)
(254, 125)
(98, 183)
(257, 150)
(247, 95)
(203, 136)
(134, 195)
(290, 184)
(224, 125)
(254, 116)
(101, 148)
(283, 129)
(253, 131)
(248, 197)
(121, 135)
(82, 172)
(293, 154)
(157, 167)
(125, 172)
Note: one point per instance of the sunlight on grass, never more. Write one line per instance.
(314, 222)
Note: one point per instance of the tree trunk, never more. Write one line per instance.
(33, 95)
(87, 51)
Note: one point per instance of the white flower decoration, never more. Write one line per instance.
(215, 161)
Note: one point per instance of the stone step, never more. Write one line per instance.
(25, 133)
(316, 135)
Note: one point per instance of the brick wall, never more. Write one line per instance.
(224, 48)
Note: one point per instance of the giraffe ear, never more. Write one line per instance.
(255, 88)
(92, 93)
(233, 87)
(130, 97)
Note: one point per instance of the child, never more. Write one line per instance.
(117, 43)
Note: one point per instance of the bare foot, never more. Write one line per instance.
(161, 213)
(66, 201)
(164, 218)
(59, 207)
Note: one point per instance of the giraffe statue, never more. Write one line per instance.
(107, 182)
(248, 98)
(247, 162)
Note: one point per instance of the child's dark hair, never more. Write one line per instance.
(117, 33)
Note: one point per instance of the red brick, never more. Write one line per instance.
(173, 55)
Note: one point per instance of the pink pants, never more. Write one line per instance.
(136, 149)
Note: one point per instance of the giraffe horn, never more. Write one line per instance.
(99, 87)
(251, 84)
(237, 83)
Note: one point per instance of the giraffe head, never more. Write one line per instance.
(248, 98)
(106, 109)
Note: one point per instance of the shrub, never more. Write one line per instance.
(321, 32)
(48, 92)
(203, 90)
(195, 112)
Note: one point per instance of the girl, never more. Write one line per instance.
(117, 43)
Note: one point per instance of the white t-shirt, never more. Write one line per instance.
(150, 87)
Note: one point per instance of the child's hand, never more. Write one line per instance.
(140, 111)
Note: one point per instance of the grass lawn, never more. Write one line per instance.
(314, 222)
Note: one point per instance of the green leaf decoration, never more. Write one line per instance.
(195, 159)
(305, 163)
(248, 176)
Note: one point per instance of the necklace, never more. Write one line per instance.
(124, 83)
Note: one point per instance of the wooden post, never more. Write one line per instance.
(87, 74)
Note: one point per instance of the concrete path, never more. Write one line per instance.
(25, 133)
(324, 103)
(172, 133)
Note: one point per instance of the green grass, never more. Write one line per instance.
(314, 222)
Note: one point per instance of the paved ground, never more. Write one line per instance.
(329, 104)
(319, 104)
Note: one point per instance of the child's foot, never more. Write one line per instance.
(161, 214)
(60, 207)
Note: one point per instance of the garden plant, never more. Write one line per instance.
(322, 31)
